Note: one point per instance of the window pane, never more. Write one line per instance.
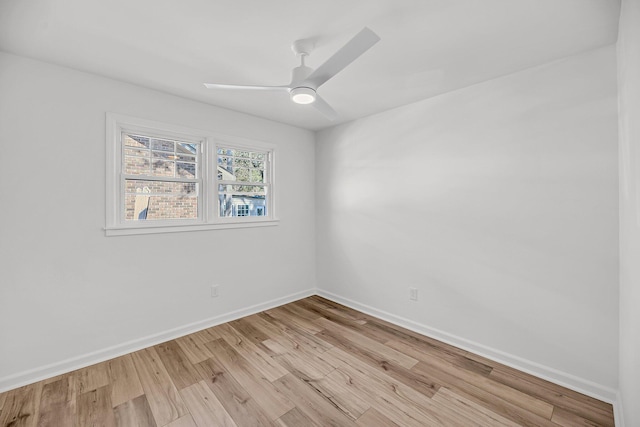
(242, 200)
(257, 175)
(187, 148)
(162, 145)
(243, 210)
(157, 157)
(163, 168)
(136, 152)
(245, 163)
(246, 194)
(226, 163)
(157, 200)
(186, 158)
(136, 165)
(186, 170)
(136, 141)
(242, 174)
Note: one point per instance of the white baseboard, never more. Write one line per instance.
(88, 359)
(555, 376)
(572, 382)
(618, 414)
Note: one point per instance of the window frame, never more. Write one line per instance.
(208, 216)
(235, 143)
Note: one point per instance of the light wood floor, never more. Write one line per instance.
(309, 363)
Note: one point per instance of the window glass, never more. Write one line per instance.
(147, 195)
(242, 183)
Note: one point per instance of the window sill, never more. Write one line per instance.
(132, 230)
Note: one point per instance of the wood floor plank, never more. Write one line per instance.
(566, 418)
(516, 413)
(268, 329)
(240, 405)
(287, 317)
(495, 388)
(473, 411)
(290, 331)
(193, 346)
(186, 421)
(298, 360)
(390, 332)
(92, 377)
(208, 335)
(425, 410)
(21, 406)
(557, 396)
(300, 312)
(3, 398)
(274, 403)
(399, 373)
(330, 315)
(296, 418)
(134, 413)
(586, 401)
(336, 309)
(296, 344)
(333, 389)
(250, 333)
(255, 355)
(124, 381)
(285, 336)
(58, 403)
(381, 392)
(428, 350)
(177, 364)
(313, 405)
(365, 343)
(204, 406)
(95, 409)
(581, 400)
(373, 418)
(164, 400)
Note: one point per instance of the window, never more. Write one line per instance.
(243, 181)
(243, 210)
(163, 178)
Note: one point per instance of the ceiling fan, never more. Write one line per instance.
(305, 81)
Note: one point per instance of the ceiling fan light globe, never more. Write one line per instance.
(303, 95)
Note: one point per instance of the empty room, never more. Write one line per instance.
(364, 213)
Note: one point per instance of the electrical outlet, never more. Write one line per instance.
(413, 294)
(214, 291)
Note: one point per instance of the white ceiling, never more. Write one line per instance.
(428, 47)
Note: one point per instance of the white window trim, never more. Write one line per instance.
(232, 142)
(208, 189)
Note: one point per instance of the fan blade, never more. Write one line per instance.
(345, 56)
(326, 109)
(244, 87)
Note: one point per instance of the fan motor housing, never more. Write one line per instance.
(299, 74)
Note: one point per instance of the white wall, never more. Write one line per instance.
(67, 290)
(629, 110)
(499, 203)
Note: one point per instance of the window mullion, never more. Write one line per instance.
(160, 178)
